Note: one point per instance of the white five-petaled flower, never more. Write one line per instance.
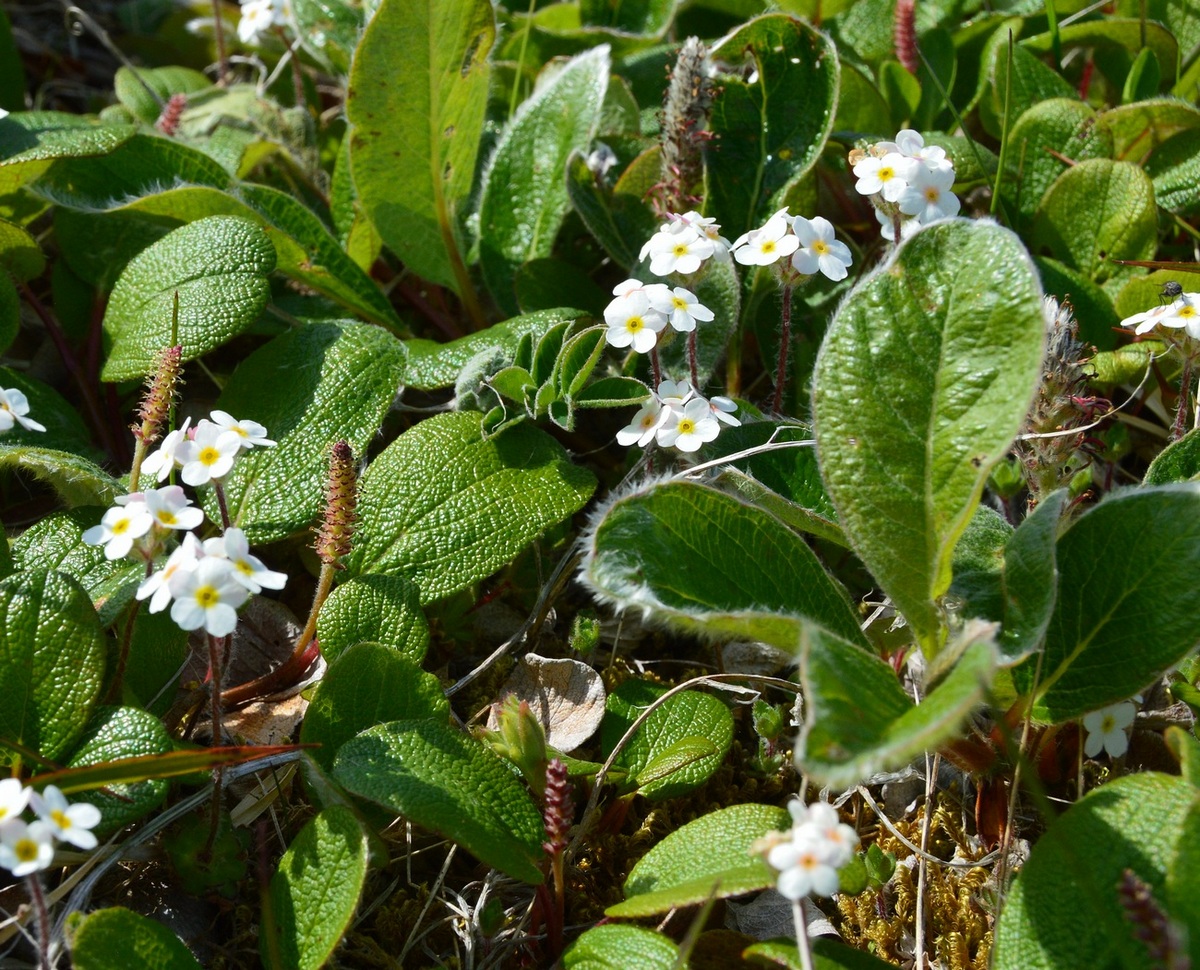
(724, 409)
(259, 16)
(689, 428)
(207, 596)
(26, 848)
(248, 570)
(1182, 312)
(632, 322)
(209, 454)
(680, 307)
(158, 586)
(251, 433)
(928, 195)
(14, 406)
(809, 856)
(819, 251)
(911, 144)
(172, 509)
(678, 248)
(887, 176)
(70, 823)
(650, 417)
(14, 796)
(768, 244)
(709, 227)
(1106, 729)
(119, 527)
(160, 463)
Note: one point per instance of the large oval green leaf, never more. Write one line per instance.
(447, 508)
(705, 562)
(31, 140)
(716, 848)
(524, 196)
(379, 609)
(1115, 628)
(340, 381)
(118, 938)
(419, 87)
(219, 268)
(922, 381)
(769, 132)
(315, 890)
(450, 784)
(1064, 910)
(621, 948)
(52, 655)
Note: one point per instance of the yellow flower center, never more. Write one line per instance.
(167, 518)
(768, 246)
(120, 527)
(680, 249)
(1187, 311)
(60, 819)
(932, 194)
(207, 596)
(1108, 724)
(820, 248)
(243, 567)
(209, 456)
(679, 303)
(886, 173)
(687, 426)
(634, 324)
(26, 850)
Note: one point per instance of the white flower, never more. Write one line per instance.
(68, 822)
(119, 527)
(680, 307)
(171, 509)
(248, 570)
(25, 849)
(251, 432)
(819, 251)
(207, 596)
(14, 796)
(209, 454)
(633, 322)
(258, 17)
(1106, 729)
(14, 405)
(820, 823)
(650, 417)
(887, 176)
(888, 229)
(680, 250)
(928, 195)
(1182, 312)
(689, 428)
(627, 287)
(709, 227)
(161, 462)
(724, 409)
(803, 869)
(767, 244)
(158, 586)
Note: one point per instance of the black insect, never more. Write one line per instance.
(1170, 290)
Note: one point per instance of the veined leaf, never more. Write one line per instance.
(30, 141)
(118, 938)
(616, 947)
(379, 609)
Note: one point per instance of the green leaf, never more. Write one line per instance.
(685, 717)
(445, 508)
(52, 655)
(65, 429)
(30, 141)
(1178, 462)
(130, 86)
(1143, 79)
(1127, 364)
(860, 106)
(1115, 630)
(76, 480)
(1127, 34)
(433, 365)
(382, 609)
(118, 938)
(709, 564)
(827, 955)
(315, 891)
(415, 132)
(329, 29)
(219, 268)
(452, 785)
(524, 194)
(621, 948)
(1031, 579)
(10, 312)
(366, 685)
(115, 734)
(648, 19)
(1093, 307)
(1032, 83)
(341, 380)
(712, 852)
(921, 383)
(157, 651)
(1137, 129)
(1064, 910)
(20, 253)
(858, 719)
(1174, 168)
(133, 770)
(619, 218)
(1096, 212)
(770, 132)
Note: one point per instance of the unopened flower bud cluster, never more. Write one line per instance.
(204, 582)
(27, 847)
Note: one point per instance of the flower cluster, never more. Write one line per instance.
(26, 847)
(14, 408)
(641, 311)
(260, 16)
(1182, 313)
(206, 452)
(683, 243)
(809, 242)
(908, 181)
(808, 856)
(676, 416)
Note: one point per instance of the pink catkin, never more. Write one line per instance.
(904, 35)
(168, 121)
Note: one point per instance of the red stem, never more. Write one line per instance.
(784, 346)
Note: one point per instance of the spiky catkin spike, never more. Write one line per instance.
(1151, 924)
(341, 500)
(160, 393)
(904, 35)
(168, 121)
(686, 107)
(559, 808)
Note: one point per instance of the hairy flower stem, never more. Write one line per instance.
(803, 946)
(784, 345)
(1185, 388)
(115, 691)
(693, 367)
(226, 521)
(655, 367)
(222, 53)
(216, 668)
(297, 79)
(34, 882)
